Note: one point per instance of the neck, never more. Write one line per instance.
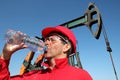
(52, 63)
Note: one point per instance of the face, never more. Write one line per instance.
(56, 48)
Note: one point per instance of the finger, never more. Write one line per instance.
(22, 45)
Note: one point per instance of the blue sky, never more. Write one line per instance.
(31, 16)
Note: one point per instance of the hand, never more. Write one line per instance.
(9, 49)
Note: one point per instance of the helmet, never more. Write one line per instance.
(64, 31)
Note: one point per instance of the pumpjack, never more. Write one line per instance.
(90, 18)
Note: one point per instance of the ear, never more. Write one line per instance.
(66, 47)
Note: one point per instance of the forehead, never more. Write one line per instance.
(59, 35)
(54, 34)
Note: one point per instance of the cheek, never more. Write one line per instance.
(57, 48)
(54, 50)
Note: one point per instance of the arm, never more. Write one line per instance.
(8, 50)
(4, 73)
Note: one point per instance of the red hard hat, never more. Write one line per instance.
(63, 30)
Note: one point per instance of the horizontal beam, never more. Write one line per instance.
(75, 22)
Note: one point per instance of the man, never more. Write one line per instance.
(60, 42)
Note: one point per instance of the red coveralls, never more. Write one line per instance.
(62, 71)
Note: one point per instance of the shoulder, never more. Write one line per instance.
(78, 70)
(81, 73)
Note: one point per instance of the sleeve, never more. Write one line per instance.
(4, 72)
(5, 75)
(33, 75)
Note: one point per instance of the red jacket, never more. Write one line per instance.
(62, 71)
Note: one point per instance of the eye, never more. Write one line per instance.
(47, 39)
(52, 39)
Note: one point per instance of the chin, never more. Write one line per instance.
(47, 56)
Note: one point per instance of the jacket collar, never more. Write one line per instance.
(60, 63)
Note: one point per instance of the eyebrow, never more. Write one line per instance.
(61, 37)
